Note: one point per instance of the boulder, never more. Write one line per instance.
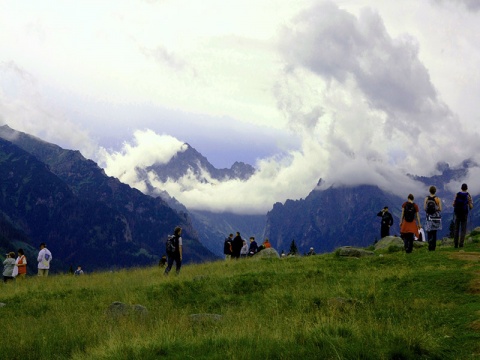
(390, 243)
(269, 253)
(350, 251)
(118, 309)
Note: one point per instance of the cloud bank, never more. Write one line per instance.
(352, 95)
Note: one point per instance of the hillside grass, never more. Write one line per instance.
(423, 305)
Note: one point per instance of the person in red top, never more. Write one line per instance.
(408, 226)
(21, 264)
(266, 244)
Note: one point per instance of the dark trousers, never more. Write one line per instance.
(408, 242)
(170, 259)
(432, 239)
(460, 231)
(384, 231)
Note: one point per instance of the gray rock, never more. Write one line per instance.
(349, 251)
(117, 309)
(269, 253)
(389, 242)
(3, 304)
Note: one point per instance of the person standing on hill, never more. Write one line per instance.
(253, 246)
(8, 265)
(175, 255)
(21, 264)
(244, 250)
(408, 227)
(227, 247)
(387, 222)
(237, 246)
(44, 258)
(461, 205)
(433, 207)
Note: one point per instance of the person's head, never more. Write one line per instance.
(11, 254)
(230, 236)
(385, 208)
(266, 240)
(410, 197)
(238, 233)
(177, 231)
(244, 242)
(311, 249)
(42, 246)
(20, 252)
(433, 190)
(464, 187)
(79, 267)
(252, 238)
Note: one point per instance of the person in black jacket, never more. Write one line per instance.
(387, 221)
(461, 205)
(237, 246)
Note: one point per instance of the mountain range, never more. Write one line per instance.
(87, 218)
(55, 195)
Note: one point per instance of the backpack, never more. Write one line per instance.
(431, 206)
(409, 212)
(171, 245)
(461, 204)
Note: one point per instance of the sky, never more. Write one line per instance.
(348, 91)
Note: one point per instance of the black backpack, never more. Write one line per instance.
(431, 206)
(461, 204)
(172, 244)
(409, 212)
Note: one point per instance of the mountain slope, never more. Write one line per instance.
(92, 218)
(192, 161)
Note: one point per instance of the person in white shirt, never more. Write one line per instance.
(44, 258)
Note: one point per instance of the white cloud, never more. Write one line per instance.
(24, 108)
(473, 5)
(148, 148)
(373, 89)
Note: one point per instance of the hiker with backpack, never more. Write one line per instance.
(174, 249)
(461, 205)
(408, 226)
(387, 222)
(433, 222)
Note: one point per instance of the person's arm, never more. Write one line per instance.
(401, 216)
(470, 202)
(418, 216)
(425, 203)
(40, 256)
(180, 250)
(439, 203)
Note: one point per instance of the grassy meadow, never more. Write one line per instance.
(423, 305)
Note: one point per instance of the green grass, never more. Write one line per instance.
(393, 306)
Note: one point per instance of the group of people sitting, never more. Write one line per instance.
(236, 247)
